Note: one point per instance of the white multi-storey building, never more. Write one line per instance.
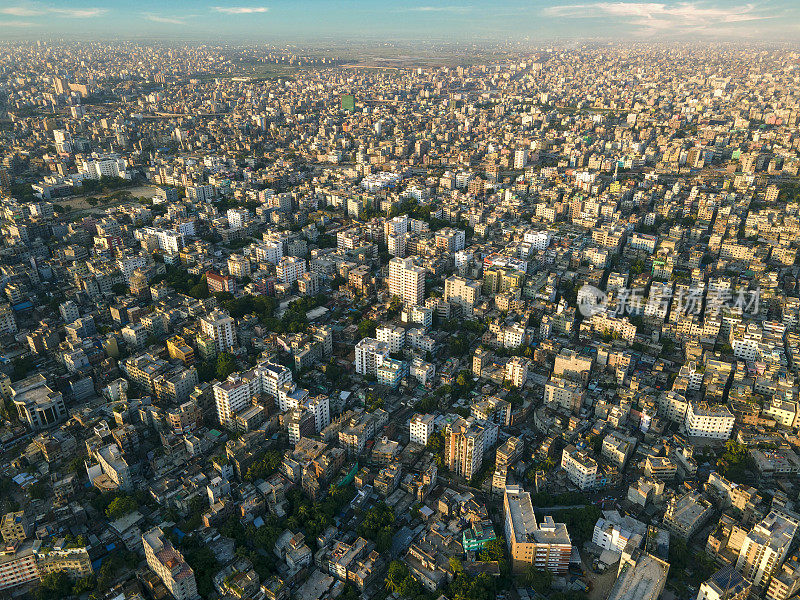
(765, 547)
(273, 378)
(580, 467)
(406, 281)
(517, 370)
(392, 335)
(235, 394)
(708, 421)
(462, 291)
(219, 326)
(168, 563)
(420, 428)
(370, 354)
(168, 240)
(290, 268)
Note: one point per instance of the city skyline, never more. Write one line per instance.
(357, 20)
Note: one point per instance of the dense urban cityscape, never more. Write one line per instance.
(286, 323)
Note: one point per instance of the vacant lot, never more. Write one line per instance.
(111, 198)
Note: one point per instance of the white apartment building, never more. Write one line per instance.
(235, 394)
(462, 291)
(420, 428)
(517, 370)
(273, 377)
(269, 251)
(422, 371)
(564, 393)
(370, 354)
(613, 531)
(708, 421)
(219, 326)
(406, 281)
(464, 446)
(520, 158)
(238, 217)
(643, 241)
(168, 240)
(107, 165)
(320, 407)
(290, 268)
(580, 467)
(392, 335)
(168, 563)
(765, 547)
(539, 240)
(673, 406)
(200, 193)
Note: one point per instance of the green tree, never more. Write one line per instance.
(121, 506)
(55, 586)
(538, 579)
(395, 575)
(226, 364)
(367, 328)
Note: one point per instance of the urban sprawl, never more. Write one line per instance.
(521, 327)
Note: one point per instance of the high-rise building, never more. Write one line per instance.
(168, 563)
(234, 395)
(765, 547)
(420, 428)
(406, 281)
(273, 377)
(219, 326)
(465, 441)
(463, 292)
(290, 268)
(392, 335)
(517, 370)
(370, 354)
(546, 546)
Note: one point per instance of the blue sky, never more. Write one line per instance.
(304, 20)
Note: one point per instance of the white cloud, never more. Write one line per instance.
(5, 23)
(650, 18)
(166, 20)
(240, 10)
(20, 11)
(79, 13)
(460, 9)
(37, 10)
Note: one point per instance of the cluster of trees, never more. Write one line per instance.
(184, 282)
(294, 320)
(120, 506)
(543, 499)
(436, 447)
(58, 585)
(688, 566)
(22, 366)
(315, 517)
(400, 581)
(579, 521)
(224, 365)
(734, 461)
(262, 306)
(366, 328)
(264, 467)
(378, 526)
(203, 563)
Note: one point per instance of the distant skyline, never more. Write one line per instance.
(305, 20)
